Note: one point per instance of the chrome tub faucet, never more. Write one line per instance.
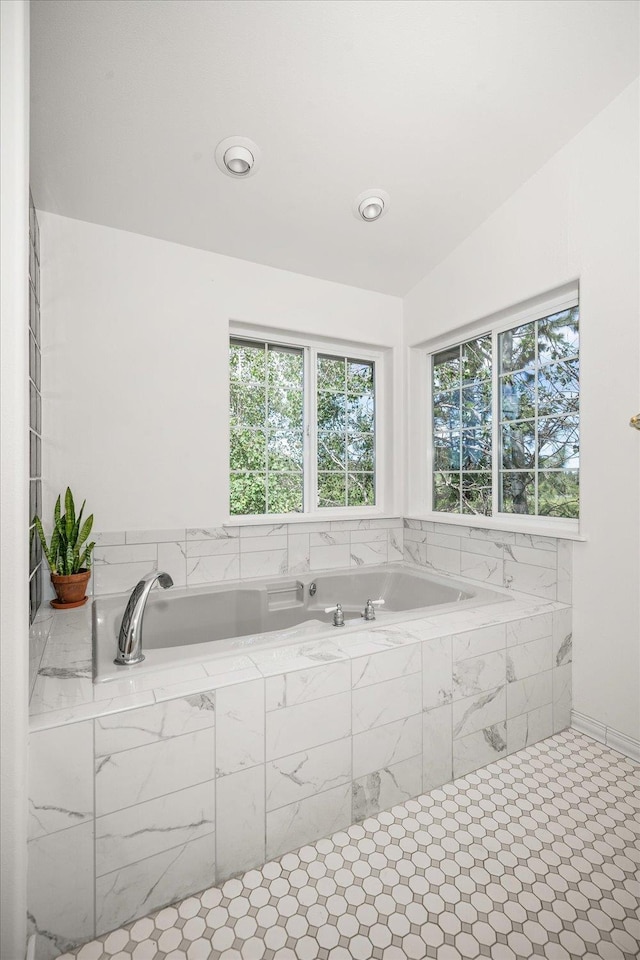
(338, 615)
(369, 610)
(130, 637)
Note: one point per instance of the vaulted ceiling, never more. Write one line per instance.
(448, 105)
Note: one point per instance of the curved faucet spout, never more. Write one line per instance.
(130, 637)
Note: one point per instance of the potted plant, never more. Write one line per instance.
(68, 554)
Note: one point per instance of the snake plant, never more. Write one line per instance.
(68, 552)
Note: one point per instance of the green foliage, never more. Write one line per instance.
(248, 493)
(267, 430)
(538, 372)
(464, 492)
(559, 494)
(543, 356)
(467, 363)
(346, 440)
(332, 489)
(462, 428)
(68, 551)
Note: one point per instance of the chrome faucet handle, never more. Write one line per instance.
(338, 615)
(369, 609)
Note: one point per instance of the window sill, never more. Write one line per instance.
(531, 527)
(278, 518)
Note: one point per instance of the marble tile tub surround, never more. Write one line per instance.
(540, 566)
(209, 555)
(508, 862)
(38, 636)
(154, 794)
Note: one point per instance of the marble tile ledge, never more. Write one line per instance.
(64, 691)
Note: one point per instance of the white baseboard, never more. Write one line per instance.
(585, 724)
(624, 744)
(607, 735)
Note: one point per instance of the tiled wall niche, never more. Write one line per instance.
(133, 809)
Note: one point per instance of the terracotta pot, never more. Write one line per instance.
(70, 590)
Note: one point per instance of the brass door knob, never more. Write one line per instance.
(635, 421)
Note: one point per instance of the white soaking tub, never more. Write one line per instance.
(189, 625)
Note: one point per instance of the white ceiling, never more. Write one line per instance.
(449, 105)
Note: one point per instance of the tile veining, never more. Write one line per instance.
(201, 772)
(507, 861)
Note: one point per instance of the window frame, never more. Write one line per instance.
(312, 348)
(506, 320)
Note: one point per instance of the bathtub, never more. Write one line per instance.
(193, 624)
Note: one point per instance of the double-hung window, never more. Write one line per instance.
(505, 420)
(302, 429)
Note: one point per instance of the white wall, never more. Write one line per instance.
(135, 353)
(14, 473)
(576, 218)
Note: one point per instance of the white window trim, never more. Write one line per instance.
(312, 346)
(561, 527)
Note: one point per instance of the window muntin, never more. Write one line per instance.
(525, 412)
(462, 394)
(539, 421)
(346, 432)
(293, 448)
(267, 428)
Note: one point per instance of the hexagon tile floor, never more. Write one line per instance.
(536, 855)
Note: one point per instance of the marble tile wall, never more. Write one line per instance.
(136, 808)
(540, 566)
(209, 555)
(38, 635)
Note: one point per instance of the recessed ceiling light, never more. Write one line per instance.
(371, 208)
(238, 160)
(237, 157)
(371, 205)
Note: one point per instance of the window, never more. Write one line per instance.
(303, 435)
(346, 434)
(267, 428)
(505, 421)
(462, 428)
